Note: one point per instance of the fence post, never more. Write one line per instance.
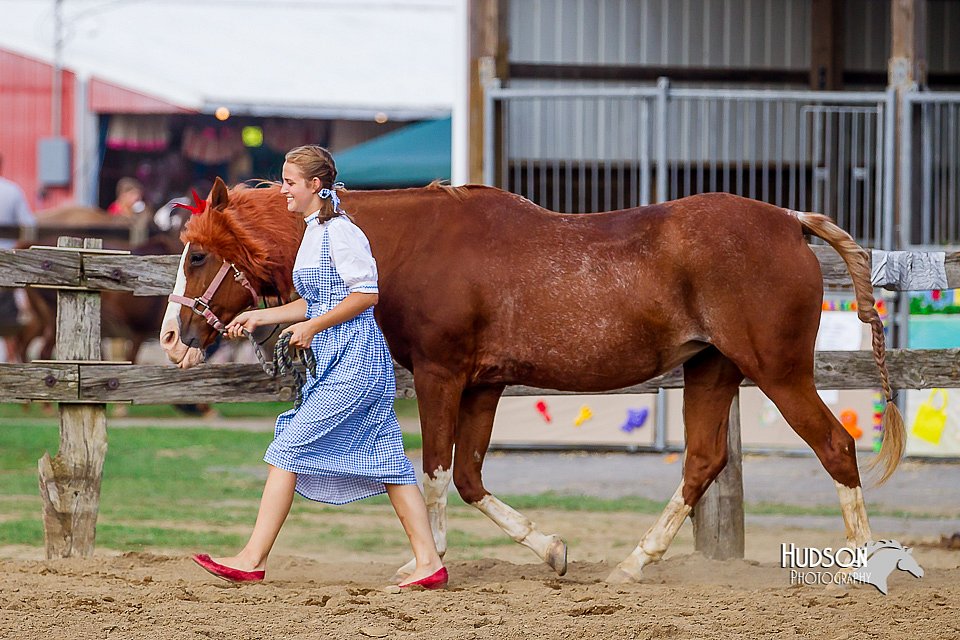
(663, 120)
(718, 516)
(70, 482)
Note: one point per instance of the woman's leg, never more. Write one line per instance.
(408, 503)
(274, 507)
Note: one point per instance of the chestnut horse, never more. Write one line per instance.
(480, 289)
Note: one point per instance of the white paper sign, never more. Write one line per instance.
(839, 331)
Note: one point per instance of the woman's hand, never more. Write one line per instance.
(248, 320)
(301, 334)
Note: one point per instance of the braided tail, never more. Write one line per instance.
(858, 263)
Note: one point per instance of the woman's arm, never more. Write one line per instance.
(250, 320)
(350, 307)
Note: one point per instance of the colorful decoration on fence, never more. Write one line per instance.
(879, 404)
(931, 419)
(544, 412)
(636, 418)
(849, 419)
(839, 305)
(585, 414)
(851, 305)
(931, 302)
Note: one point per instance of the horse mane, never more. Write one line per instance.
(254, 231)
(457, 193)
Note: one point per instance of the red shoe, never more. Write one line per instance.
(229, 574)
(436, 580)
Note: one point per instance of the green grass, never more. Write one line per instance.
(189, 488)
(405, 408)
(154, 482)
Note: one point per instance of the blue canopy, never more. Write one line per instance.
(409, 157)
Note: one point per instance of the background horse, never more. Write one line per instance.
(480, 289)
(123, 316)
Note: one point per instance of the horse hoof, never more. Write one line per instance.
(556, 555)
(619, 576)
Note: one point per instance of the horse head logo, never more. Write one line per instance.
(882, 558)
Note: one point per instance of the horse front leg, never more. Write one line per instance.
(475, 424)
(438, 398)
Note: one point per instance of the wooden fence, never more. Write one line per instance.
(82, 383)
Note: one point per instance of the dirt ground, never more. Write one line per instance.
(501, 592)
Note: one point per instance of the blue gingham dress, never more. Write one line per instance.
(344, 441)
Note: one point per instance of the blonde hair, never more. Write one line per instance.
(316, 162)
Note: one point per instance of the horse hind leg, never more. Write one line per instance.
(710, 382)
(805, 412)
(474, 427)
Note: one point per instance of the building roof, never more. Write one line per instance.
(316, 58)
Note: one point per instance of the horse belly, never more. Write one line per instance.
(598, 362)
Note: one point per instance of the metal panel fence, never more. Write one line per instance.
(585, 150)
(930, 170)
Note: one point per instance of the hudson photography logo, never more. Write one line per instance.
(870, 564)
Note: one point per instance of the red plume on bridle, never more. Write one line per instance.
(199, 206)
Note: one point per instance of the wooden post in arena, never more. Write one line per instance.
(826, 45)
(70, 482)
(488, 60)
(718, 516)
(906, 72)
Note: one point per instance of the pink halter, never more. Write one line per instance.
(201, 305)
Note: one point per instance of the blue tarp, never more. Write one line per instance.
(409, 157)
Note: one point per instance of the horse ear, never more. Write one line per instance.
(219, 199)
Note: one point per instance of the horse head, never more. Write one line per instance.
(239, 245)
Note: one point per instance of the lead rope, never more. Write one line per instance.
(283, 364)
(269, 368)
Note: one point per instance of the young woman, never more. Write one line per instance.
(343, 443)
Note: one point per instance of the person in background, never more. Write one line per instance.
(14, 212)
(129, 200)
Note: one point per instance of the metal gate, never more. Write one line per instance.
(930, 170)
(586, 150)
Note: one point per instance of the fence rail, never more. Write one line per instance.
(100, 382)
(155, 275)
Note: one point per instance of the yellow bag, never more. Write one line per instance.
(931, 421)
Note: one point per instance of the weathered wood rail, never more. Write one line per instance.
(82, 384)
(157, 384)
(155, 275)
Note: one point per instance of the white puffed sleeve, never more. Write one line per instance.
(350, 252)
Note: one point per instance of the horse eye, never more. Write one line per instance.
(197, 259)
